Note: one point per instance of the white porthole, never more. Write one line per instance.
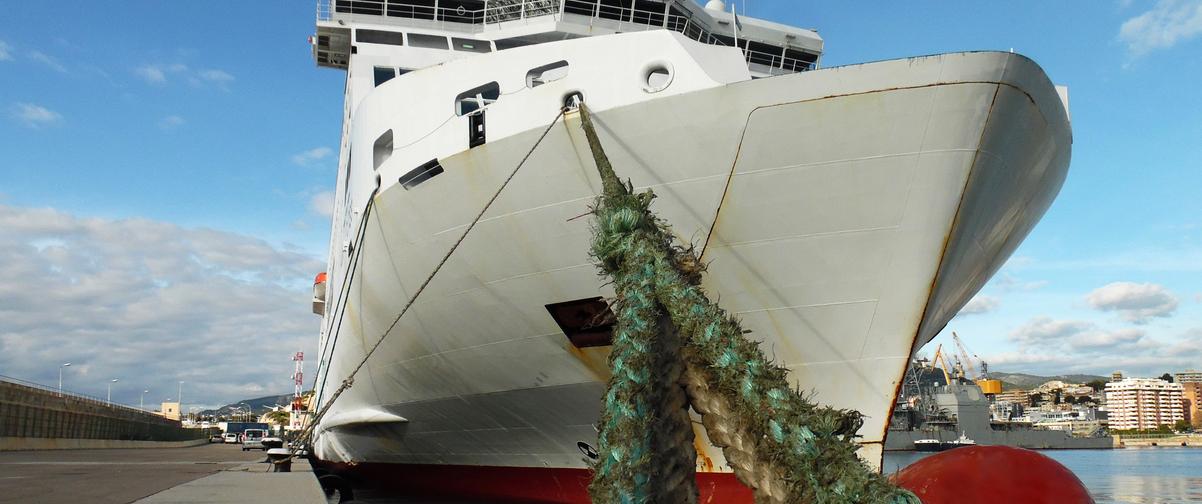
(657, 77)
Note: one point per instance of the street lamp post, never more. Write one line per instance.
(180, 397)
(142, 400)
(109, 399)
(249, 411)
(60, 378)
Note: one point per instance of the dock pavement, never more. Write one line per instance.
(206, 474)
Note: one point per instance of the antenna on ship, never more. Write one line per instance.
(298, 379)
(734, 26)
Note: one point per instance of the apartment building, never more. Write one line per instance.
(1020, 397)
(1144, 403)
(1191, 402)
(1188, 377)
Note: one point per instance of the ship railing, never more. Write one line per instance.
(76, 396)
(778, 63)
(687, 26)
(501, 11)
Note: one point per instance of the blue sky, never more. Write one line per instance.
(1110, 279)
(165, 164)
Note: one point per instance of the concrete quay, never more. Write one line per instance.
(25, 444)
(1187, 440)
(207, 474)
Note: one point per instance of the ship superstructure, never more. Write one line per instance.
(846, 215)
(434, 31)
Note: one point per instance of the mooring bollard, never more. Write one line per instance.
(281, 459)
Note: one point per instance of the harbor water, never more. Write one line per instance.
(1129, 476)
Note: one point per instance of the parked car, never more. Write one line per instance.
(216, 437)
(230, 437)
(252, 439)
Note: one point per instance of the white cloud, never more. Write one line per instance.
(1047, 333)
(152, 74)
(1014, 361)
(311, 155)
(1010, 283)
(1188, 345)
(1137, 303)
(150, 303)
(48, 61)
(1166, 24)
(1048, 346)
(35, 116)
(322, 203)
(160, 73)
(1042, 330)
(980, 304)
(5, 51)
(1056, 363)
(171, 122)
(216, 76)
(1099, 340)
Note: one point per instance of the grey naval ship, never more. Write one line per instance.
(938, 411)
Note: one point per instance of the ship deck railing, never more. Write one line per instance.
(772, 61)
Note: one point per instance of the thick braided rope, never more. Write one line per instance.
(782, 445)
(623, 471)
(645, 447)
(675, 426)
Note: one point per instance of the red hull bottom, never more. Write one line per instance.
(968, 475)
(529, 485)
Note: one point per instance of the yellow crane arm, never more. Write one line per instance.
(982, 380)
(942, 363)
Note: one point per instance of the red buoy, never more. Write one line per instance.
(992, 475)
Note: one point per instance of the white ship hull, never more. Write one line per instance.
(847, 214)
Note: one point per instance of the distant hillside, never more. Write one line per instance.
(260, 405)
(1014, 381)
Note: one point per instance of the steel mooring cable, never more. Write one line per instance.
(307, 434)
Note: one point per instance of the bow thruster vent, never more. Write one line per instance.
(586, 322)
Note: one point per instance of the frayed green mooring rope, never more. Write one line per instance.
(782, 445)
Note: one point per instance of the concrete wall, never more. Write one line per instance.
(27, 412)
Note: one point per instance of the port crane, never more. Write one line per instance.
(962, 356)
(941, 361)
(988, 386)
